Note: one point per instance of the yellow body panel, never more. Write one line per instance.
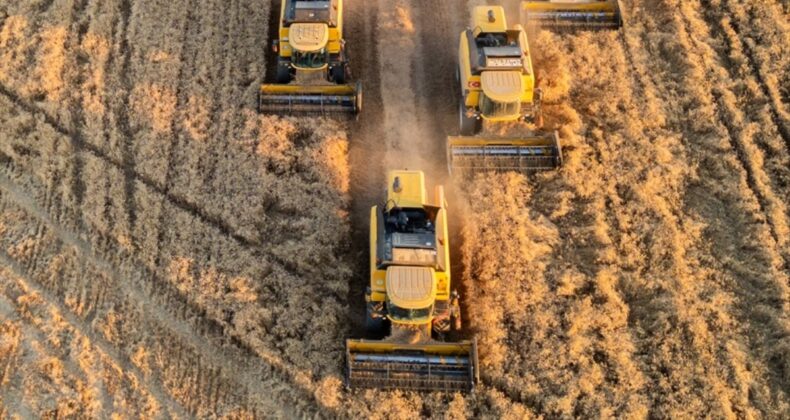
(340, 90)
(463, 348)
(549, 139)
(412, 189)
(472, 84)
(568, 6)
(482, 18)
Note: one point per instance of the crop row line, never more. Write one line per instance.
(166, 306)
(85, 330)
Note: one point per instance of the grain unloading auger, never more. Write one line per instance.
(312, 68)
(410, 300)
(497, 86)
(572, 14)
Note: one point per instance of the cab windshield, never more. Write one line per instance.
(409, 314)
(310, 60)
(493, 109)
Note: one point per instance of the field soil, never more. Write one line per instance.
(166, 251)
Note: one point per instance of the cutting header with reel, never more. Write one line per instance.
(570, 15)
(313, 73)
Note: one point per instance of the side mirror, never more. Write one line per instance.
(276, 46)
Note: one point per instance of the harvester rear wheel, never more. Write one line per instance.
(468, 126)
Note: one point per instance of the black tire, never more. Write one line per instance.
(338, 73)
(359, 98)
(283, 75)
(375, 327)
(467, 126)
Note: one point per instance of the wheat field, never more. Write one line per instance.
(168, 252)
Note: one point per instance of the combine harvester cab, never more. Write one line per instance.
(312, 69)
(497, 86)
(410, 300)
(572, 14)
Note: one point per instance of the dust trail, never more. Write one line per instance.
(366, 150)
(405, 138)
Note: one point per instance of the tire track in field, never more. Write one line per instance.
(80, 22)
(253, 245)
(122, 113)
(245, 346)
(752, 155)
(226, 103)
(738, 265)
(727, 27)
(167, 308)
(731, 119)
(100, 343)
(689, 302)
(765, 299)
(407, 140)
(707, 292)
(779, 114)
(10, 398)
(31, 332)
(214, 33)
(174, 137)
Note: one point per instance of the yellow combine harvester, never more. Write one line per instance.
(572, 14)
(312, 69)
(410, 299)
(498, 86)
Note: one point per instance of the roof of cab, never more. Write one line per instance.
(410, 287)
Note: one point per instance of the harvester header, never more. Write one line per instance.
(532, 153)
(572, 14)
(445, 367)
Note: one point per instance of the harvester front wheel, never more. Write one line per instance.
(375, 324)
(283, 75)
(468, 126)
(338, 73)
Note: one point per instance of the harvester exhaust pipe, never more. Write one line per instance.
(570, 15)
